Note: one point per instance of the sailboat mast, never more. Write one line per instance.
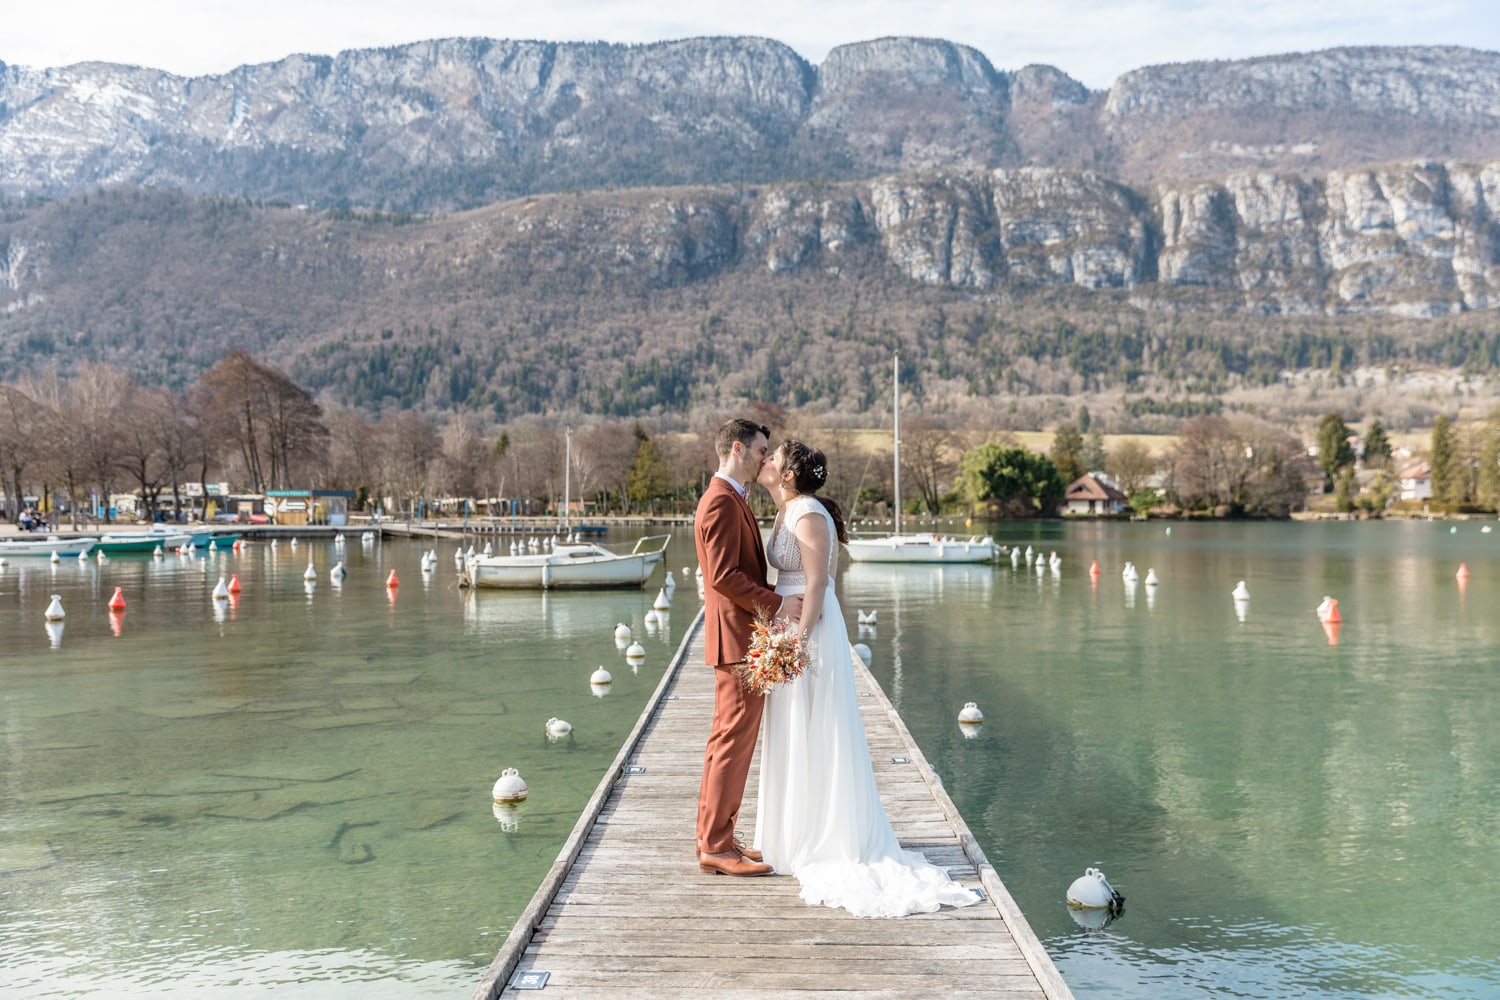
(896, 410)
(567, 479)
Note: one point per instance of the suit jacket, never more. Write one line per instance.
(734, 567)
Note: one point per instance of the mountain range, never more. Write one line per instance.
(533, 226)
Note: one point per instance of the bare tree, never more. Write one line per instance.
(929, 454)
(21, 446)
(411, 445)
(1131, 464)
(271, 420)
(462, 457)
(148, 425)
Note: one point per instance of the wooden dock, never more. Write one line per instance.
(625, 912)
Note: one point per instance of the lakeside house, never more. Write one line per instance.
(1090, 494)
(1416, 481)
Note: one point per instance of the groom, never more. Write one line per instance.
(733, 562)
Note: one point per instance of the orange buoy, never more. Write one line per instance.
(391, 581)
(234, 583)
(117, 603)
(1094, 568)
(1333, 611)
(1463, 571)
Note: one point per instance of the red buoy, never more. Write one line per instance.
(391, 581)
(234, 584)
(1333, 611)
(1094, 568)
(117, 603)
(1463, 571)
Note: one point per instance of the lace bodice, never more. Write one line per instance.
(784, 552)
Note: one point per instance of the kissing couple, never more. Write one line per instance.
(818, 813)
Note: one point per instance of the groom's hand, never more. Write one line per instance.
(791, 607)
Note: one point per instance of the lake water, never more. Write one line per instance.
(293, 792)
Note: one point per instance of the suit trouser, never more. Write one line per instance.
(726, 759)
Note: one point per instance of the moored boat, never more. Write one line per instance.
(44, 547)
(918, 548)
(923, 549)
(140, 541)
(579, 566)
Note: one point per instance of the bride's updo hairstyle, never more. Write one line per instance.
(809, 469)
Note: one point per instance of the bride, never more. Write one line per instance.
(818, 814)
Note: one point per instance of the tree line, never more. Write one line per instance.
(102, 431)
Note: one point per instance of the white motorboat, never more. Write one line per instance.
(917, 548)
(44, 547)
(580, 566)
(922, 549)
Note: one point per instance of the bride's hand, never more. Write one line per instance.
(791, 608)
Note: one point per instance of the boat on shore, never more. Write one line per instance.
(916, 548)
(44, 547)
(568, 566)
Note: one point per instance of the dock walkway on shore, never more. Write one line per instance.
(625, 912)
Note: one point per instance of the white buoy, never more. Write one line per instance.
(310, 573)
(509, 787)
(1240, 592)
(622, 631)
(1015, 557)
(862, 651)
(156, 552)
(55, 612)
(294, 541)
(866, 617)
(55, 557)
(1151, 577)
(671, 583)
(1041, 567)
(213, 546)
(558, 728)
(1092, 891)
(489, 549)
(221, 590)
(662, 602)
(338, 572)
(601, 676)
(970, 714)
(635, 651)
(84, 555)
(1130, 574)
(458, 557)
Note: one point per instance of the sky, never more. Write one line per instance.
(1091, 40)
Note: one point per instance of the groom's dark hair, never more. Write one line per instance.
(741, 430)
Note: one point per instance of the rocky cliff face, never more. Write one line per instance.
(457, 123)
(1414, 239)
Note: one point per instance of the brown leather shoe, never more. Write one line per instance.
(731, 864)
(747, 852)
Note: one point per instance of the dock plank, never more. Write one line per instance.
(626, 913)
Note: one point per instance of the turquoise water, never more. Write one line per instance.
(1286, 817)
(293, 793)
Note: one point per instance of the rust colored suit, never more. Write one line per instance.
(734, 566)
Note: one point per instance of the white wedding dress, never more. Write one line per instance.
(818, 814)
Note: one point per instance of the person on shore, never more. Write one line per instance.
(818, 812)
(735, 590)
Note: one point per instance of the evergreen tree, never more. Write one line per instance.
(1377, 445)
(1488, 492)
(1012, 481)
(1447, 476)
(1067, 453)
(1334, 450)
(1094, 457)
